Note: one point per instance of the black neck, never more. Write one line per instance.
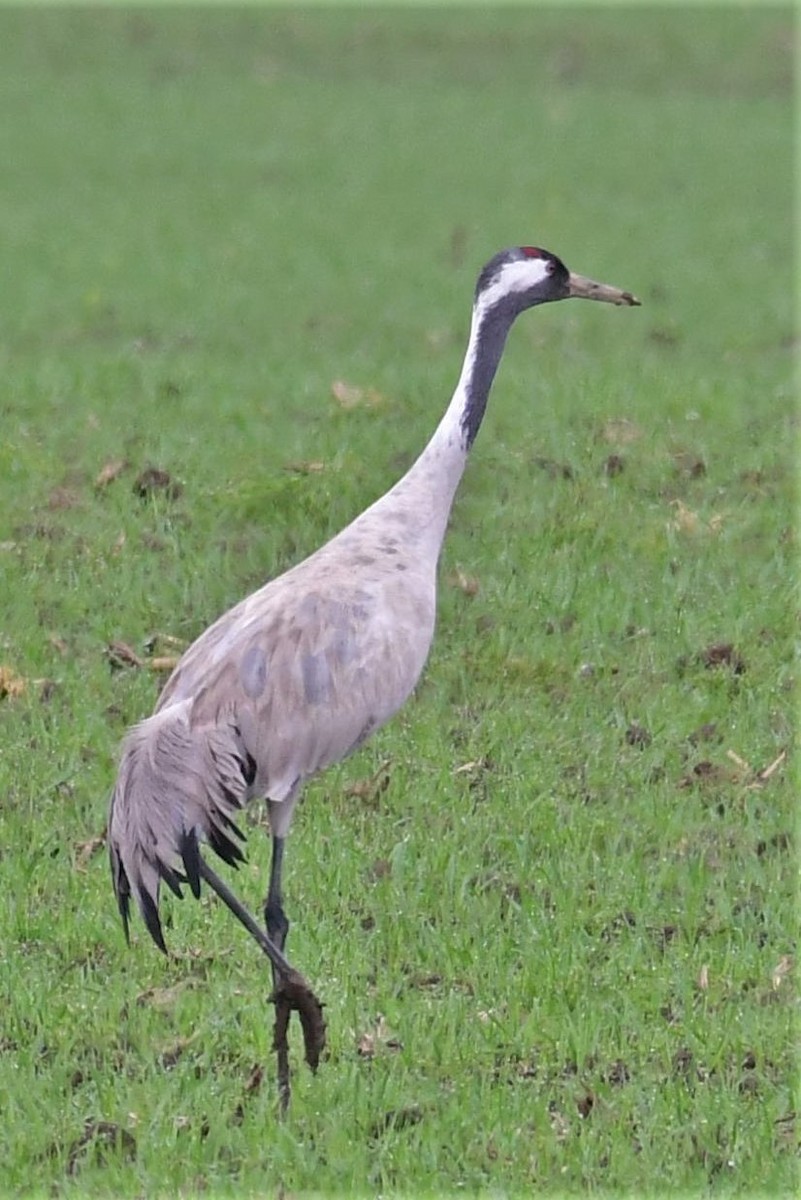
(489, 341)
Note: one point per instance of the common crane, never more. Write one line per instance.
(299, 674)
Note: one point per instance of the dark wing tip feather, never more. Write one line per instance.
(172, 879)
(150, 912)
(229, 824)
(124, 905)
(248, 768)
(223, 846)
(122, 888)
(190, 853)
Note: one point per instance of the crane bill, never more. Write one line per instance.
(587, 289)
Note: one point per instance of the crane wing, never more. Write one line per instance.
(280, 687)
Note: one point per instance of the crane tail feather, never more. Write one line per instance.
(222, 845)
(122, 888)
(176, 785)
(190, 854)
(173, 879)
(150, 912)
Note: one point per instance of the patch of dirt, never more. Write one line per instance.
(785, 1130)
(638, 735)
(395, 1119)
(617, 1073)
(164, 998)
(552, 468)
(721, 654)
(110, 471)
(623, 920)
(666, 338)
(565, 623)
(351, 395)
(108, 1140)
(370, 789)
(704, 773)
(121, 655)
(380, 1037)
(620, 431)
(305, 467)
(780, 842)
(62, 497)
(12, 685)
(84, 851)
(425, 982)
(468, 584)
(665, 935)
(707, 732)
(174, 1052)
(252, 1088)
(381, 868)
(614, 465)
(155, 479)
(476, 773)
(39, 530)
(689, 464)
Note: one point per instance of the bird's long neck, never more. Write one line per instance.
(488, 332)
(427, 490)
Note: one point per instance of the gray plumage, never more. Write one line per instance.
(299, 674)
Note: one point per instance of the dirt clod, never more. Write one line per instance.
(705, 772)
(11, 684)
(109, 472)
(682, 1061)
(252, 1087)
(623, 920)
(120, 654)
(708, 732)
(721, 654)
(552, 468)
(779, 841)
(105, 1136)
(617, 1073)
(154, 479)
(397, 1118)
(87, 849)
(667, 933)
(638, 735)
(614, 465)
(689, 464)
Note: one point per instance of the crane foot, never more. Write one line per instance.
(293, 993)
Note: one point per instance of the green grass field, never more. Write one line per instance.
(551, 907)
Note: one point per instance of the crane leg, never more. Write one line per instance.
(281, 967)
(274, 916)
(290, 990)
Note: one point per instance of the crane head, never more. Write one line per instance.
(525, 276)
